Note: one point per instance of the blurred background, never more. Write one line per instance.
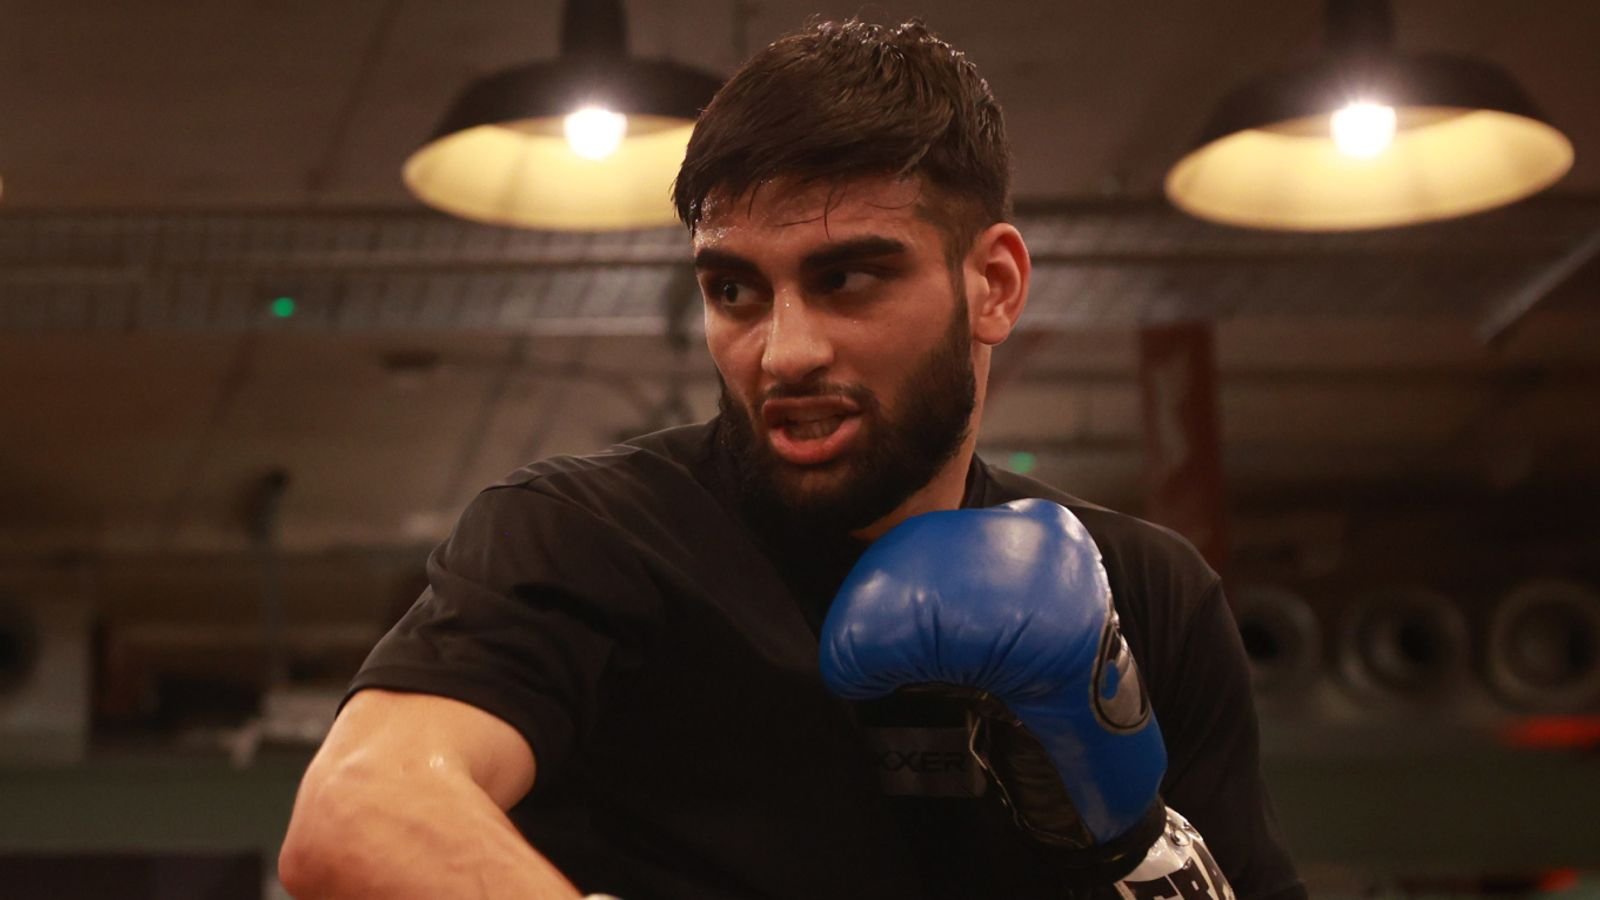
(248, 379)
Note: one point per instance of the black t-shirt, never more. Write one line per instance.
(659, 654)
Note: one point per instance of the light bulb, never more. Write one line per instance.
(594, 132)
(1363, 129)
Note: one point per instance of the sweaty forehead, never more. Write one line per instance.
(784, 204)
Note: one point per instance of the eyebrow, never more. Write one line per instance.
(831, 256)
(855, 250)
(722, 259)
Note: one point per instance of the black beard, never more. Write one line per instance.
(900, 456)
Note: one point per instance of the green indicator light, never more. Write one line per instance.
(283, 307)
(1023, 462)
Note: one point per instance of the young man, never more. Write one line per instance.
(612, 682)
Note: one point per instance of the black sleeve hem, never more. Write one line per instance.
(541, 721)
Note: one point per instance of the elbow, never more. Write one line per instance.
(307, 868)
(319, 858)
(300, 870)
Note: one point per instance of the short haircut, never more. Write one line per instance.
(839, 101)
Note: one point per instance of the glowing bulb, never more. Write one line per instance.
(594, 132)
(1363, 130)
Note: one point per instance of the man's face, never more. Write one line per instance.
(843, 345)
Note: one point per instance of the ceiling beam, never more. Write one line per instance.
(1509, 311)
(365, 271)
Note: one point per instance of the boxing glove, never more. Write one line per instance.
(1176, 867)
(1009, 607)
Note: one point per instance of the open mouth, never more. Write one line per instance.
(810, 431)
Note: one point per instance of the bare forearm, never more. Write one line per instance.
(417, 835)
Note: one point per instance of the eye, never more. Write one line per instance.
(727, 292)
(846, 281)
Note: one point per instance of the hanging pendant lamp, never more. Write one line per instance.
(589, 141)
(1367, 138)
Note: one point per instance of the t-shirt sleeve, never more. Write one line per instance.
(532, 603)
(1214, 767)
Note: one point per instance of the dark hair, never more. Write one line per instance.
(853, 99)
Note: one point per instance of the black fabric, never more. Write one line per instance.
(659, 653)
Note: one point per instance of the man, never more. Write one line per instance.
(612, 682)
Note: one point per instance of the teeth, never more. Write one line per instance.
(816, 428)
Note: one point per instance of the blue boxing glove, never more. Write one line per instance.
(1009, 608)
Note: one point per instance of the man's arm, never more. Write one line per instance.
(407, 799)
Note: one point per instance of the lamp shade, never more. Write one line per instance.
(503, 155)
(1462, 137)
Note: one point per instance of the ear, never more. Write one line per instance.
(997, 269)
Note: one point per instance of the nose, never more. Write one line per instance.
(797, 345)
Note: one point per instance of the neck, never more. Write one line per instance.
(944, 491)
